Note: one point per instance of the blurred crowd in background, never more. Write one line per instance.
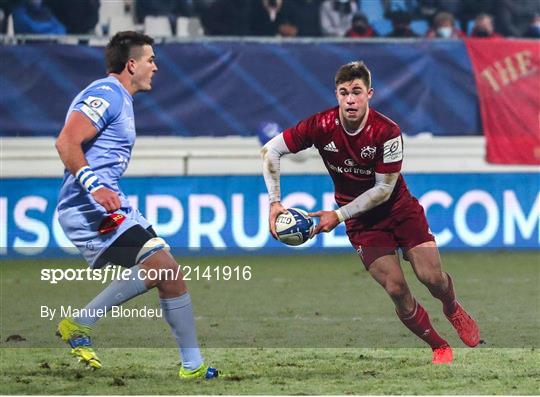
(271, 18)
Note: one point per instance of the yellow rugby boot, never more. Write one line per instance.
(202, 372)
(78, 337)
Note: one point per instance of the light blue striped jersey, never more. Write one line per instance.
(109, 106)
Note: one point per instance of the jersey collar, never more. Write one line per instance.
(117, 82)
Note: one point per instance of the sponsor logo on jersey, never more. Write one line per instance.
(368, 152)
(350, 162)
(95, 103)
(393, 150)
(349, 170)
(90, 113)
(331, 147)
(104, 87)
(94, 107)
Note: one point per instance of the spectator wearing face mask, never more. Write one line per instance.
(483, 27)
(360, 27)
(337, 16)
(444, 27)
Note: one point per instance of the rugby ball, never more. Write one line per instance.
(294, 227)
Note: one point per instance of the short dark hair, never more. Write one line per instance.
(483, 15)
(352, 71)
(120, 49)
(443, 16)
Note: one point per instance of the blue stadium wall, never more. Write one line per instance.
(199, 214)
(239, 86)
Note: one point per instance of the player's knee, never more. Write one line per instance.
(158, 266)
(432, 280)
(150, 248)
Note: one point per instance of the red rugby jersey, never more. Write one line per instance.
(352, 160)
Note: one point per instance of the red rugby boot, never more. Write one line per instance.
(465, 326)
(443, 355)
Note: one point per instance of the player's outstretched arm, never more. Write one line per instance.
(77, 130)
(378, 194)
(271, 154)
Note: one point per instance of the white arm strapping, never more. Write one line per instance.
(271, 154)
(378, 194)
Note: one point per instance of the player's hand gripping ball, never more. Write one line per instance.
(294, 227)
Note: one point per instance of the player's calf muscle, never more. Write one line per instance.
(396, 289)
(162, 271)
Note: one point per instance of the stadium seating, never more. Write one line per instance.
(113, 18)
(420, 26)
(189, 27)
(157, 26)
(373, 9)
(10, 30)
(382, 26)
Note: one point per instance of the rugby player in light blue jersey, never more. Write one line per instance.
(95, 146)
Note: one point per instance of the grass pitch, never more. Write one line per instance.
(276, 371)
(301, 325)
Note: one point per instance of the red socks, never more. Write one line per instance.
(418, 322)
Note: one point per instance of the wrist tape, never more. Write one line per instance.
(88, 179)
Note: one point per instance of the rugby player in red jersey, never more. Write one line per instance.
(362, 151)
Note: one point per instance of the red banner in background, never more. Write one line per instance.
(507, 74)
